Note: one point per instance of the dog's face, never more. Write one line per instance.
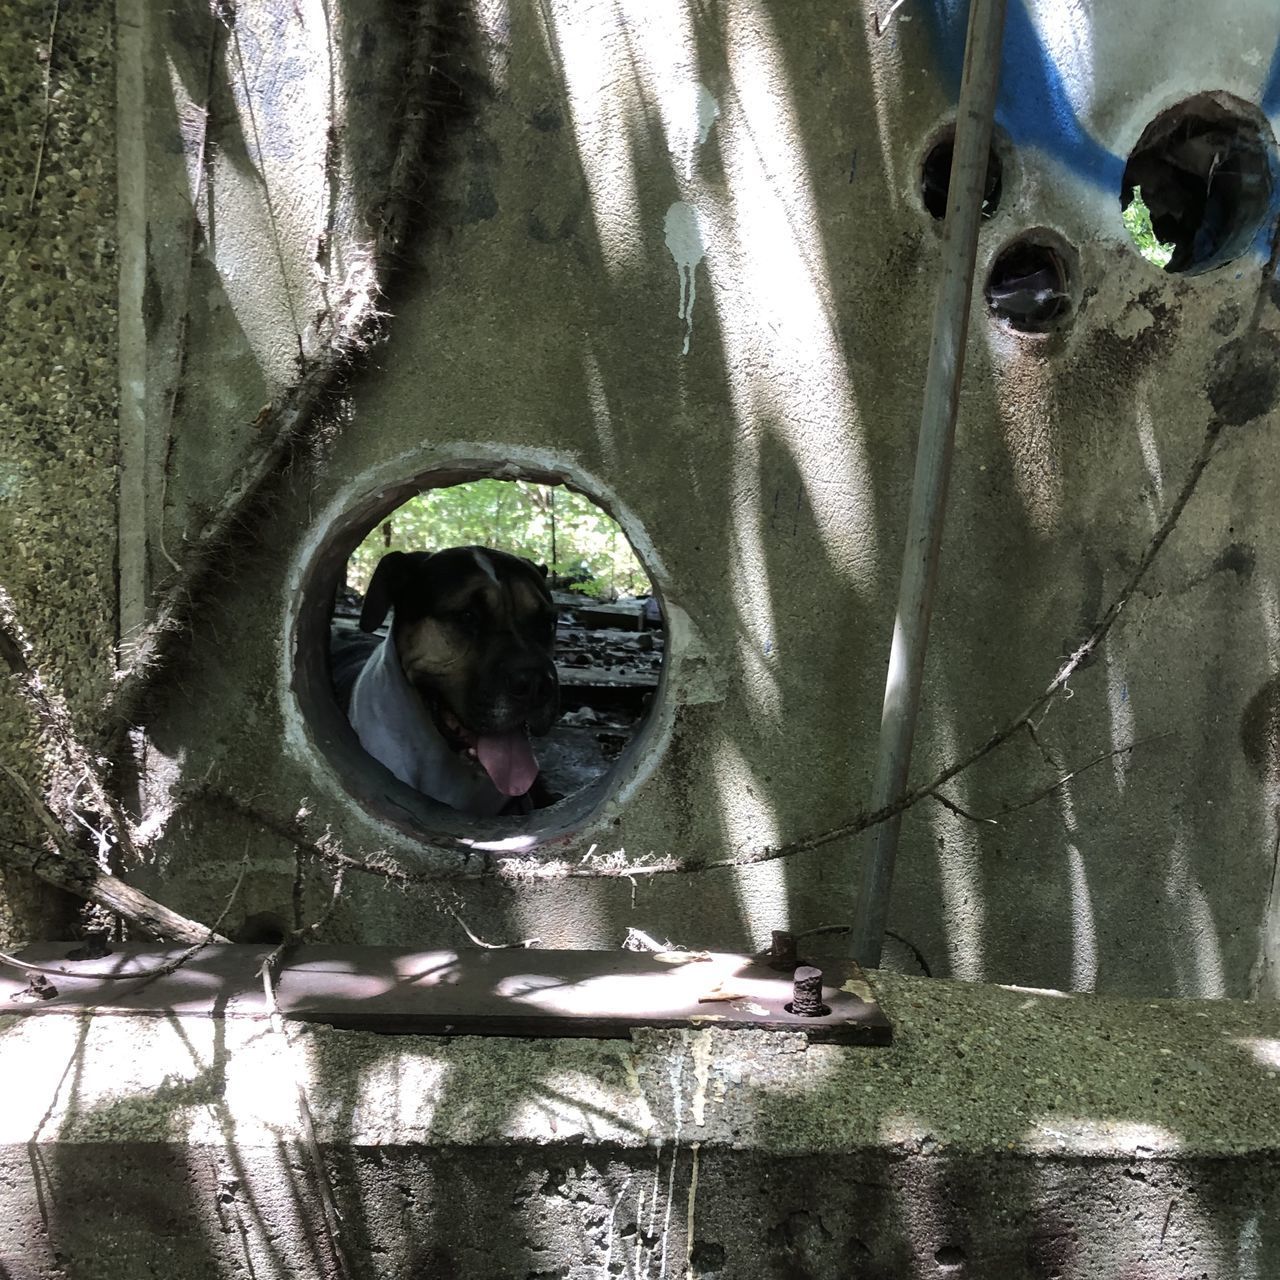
(474, 630)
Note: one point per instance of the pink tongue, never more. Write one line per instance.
(508, 760)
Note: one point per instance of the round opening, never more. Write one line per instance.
(477, 657)
(1029, 284)
(1197, 187)
(935, 177)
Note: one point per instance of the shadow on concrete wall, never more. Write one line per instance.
(950, 867)
(123, 1191)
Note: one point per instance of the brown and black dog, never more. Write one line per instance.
(447, 701)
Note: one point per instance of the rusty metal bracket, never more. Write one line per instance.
(499, 993)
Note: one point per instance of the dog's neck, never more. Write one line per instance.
(396, 729)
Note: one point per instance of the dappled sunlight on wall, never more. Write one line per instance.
(1190, 919)
(1084, 924)
(1098, 1135)
(959, 855)
(396, 1096)
(769, 275)
(277, 104)
(604, 104)
(1150, 451)
(1120, 712)
(1024, 401)
(748, 822)
(1067, 35)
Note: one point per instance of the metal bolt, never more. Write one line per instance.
(806, 993)
(782, 952)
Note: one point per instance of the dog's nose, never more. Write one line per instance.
(528, 682)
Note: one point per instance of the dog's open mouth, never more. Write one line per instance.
(507, 757)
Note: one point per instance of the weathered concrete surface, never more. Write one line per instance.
(57, 383)
(1006, 1133)
(766, 166)
(625, 179)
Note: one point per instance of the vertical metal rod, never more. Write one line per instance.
(978, 87)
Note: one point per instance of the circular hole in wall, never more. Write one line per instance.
(935, 177)
(476, 656)
(1197, 187)
(1029, 285)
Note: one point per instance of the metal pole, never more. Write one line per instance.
(933, 465)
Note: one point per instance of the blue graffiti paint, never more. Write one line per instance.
(1033, 108)
(1270, 103)
(1271, 88)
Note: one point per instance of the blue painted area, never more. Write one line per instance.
(1271, 88)
(1270, 103)
(1033, 108)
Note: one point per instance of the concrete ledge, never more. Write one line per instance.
(1006, 1133)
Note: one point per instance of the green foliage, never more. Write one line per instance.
(1137, 222)
(549, 524)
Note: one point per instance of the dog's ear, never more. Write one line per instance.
(542, 569)
(383, 589)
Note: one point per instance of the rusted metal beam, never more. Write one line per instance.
(499, 993)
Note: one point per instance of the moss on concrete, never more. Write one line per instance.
(57, 374)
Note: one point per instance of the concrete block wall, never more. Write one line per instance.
(1007, 1133)
(677, 255)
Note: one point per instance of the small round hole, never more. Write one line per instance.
(261, 928)
(935, 178)
(1197, 187)
(1029, 285)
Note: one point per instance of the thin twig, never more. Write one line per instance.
(520, 871)
(915, 951)
(169, 966)
(882, 24)
(47, 112)
(1061, 782)
(524, 944)
(64, 867)
(1036, 796)
(332, 1217)
(302, 934)
(958, 810)
(54, 719)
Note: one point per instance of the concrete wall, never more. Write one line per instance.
(677, 254)
(1006, 1134)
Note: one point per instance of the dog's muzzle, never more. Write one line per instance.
(519, 699)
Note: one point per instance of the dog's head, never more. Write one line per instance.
(474, 630)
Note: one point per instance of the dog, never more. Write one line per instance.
(448, 699)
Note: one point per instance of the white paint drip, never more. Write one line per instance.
(677, 1107)
(633, 1079)
(608, 1231)
(684, 241)
(701, 1075)
(639, 1233)
(689, 112)
(689, 1216)
(1247, 1249)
